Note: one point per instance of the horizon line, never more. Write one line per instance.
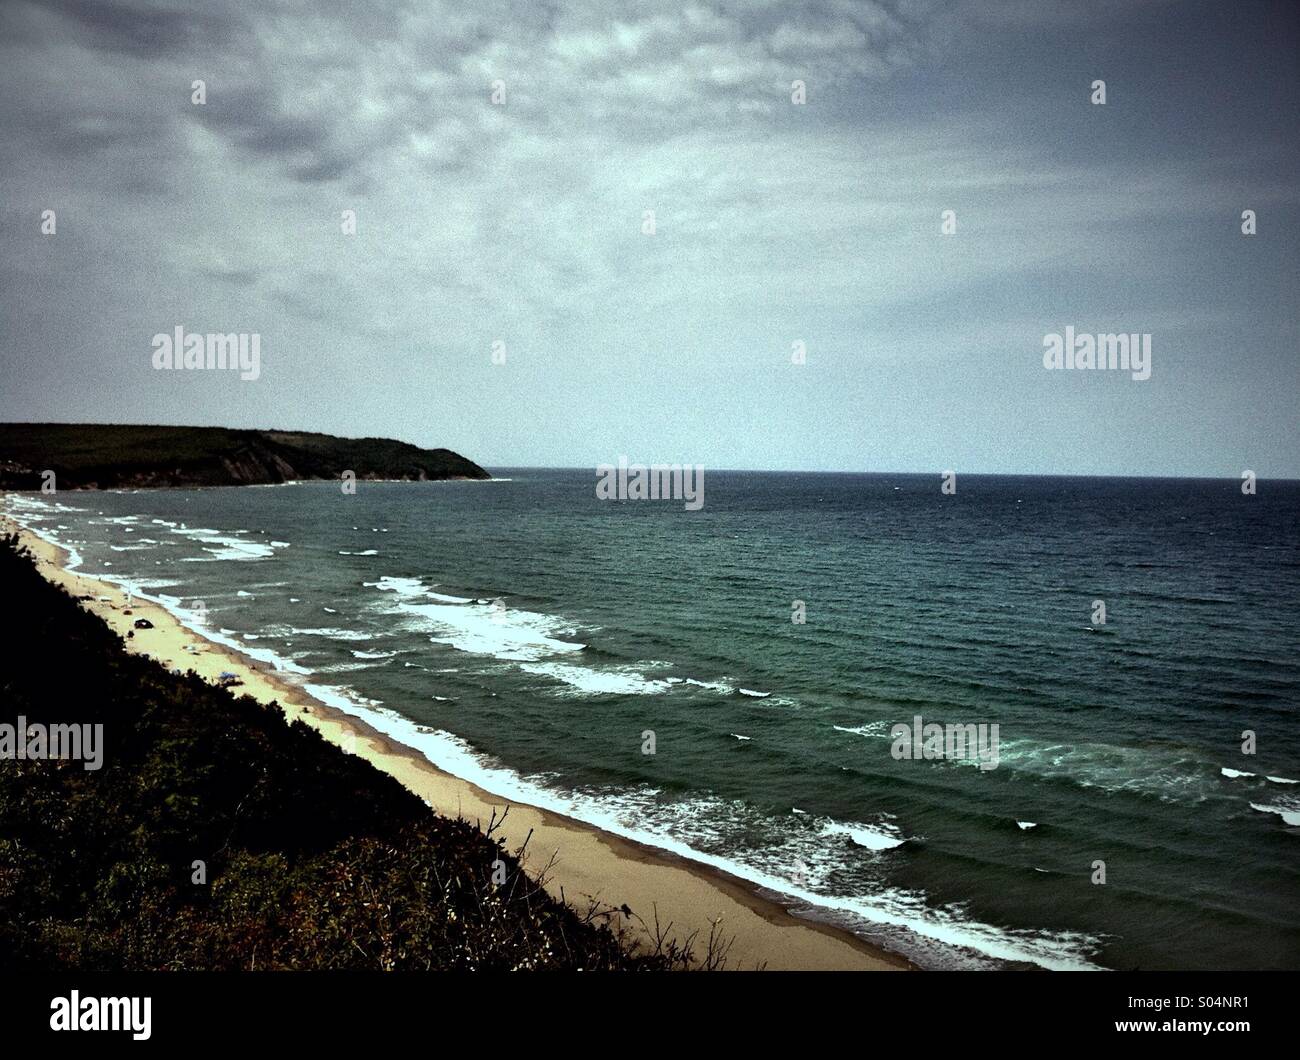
(1141, 476)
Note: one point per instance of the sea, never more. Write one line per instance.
(731, 684)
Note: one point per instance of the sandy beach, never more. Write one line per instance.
(579, 860)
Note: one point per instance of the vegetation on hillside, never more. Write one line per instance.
(105, 456)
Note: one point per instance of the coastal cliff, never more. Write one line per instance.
(104, 456)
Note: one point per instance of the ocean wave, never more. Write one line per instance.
(723, 685)
(713, 686)
(871, 729)
(490, 629)
(413, 589)
(345, 667)
(872, 837)
(535, 641)
(625, 681)
(1290, 814)
(1166, 773)
(794, 868)
(328, 632)
(229, 546)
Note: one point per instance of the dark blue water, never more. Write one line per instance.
(529, 636)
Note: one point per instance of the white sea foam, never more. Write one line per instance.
(1169, 774)
(514, 636)
(625, 681)
(329, 632)
(230, 546)
(1289, 814)
(1233, 774)
(873, 837)
(480, 629)
(714, 686)
(409, 588)
(870, 729)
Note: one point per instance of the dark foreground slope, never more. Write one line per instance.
(314, 858)
(103, 456)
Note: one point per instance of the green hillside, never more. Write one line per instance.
(102, 456)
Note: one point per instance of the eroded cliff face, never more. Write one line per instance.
(250, 467)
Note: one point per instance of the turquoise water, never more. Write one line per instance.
(526, 635)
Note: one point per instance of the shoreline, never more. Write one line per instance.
(579, 860)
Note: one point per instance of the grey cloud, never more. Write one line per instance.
(234, 277)
(145, 30)
(254, 118)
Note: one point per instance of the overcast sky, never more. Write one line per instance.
(775, 223)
